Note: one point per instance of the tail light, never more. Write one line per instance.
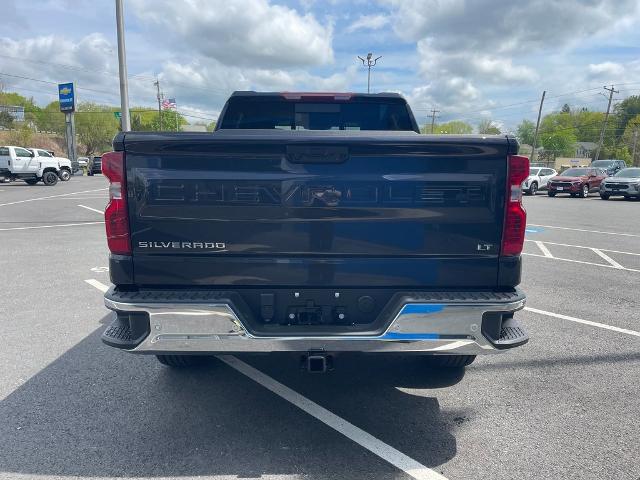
(116, 218)
(515, 217)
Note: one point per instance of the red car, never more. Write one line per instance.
(577, 181)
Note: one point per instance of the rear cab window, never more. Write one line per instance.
(279, 112)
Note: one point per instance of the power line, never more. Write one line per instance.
(77, 87)
(139, 76)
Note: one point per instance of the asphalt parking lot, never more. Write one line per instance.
(565, 406)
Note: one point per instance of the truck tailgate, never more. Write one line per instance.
(315, 209)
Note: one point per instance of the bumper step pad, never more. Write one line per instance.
(120, 333)
(511, 335)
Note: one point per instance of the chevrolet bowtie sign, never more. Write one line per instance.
(67, 97)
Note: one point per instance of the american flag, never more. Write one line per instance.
(168, 103)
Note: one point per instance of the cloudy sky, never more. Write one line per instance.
(468, 59)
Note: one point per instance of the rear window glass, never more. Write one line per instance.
(308, 115)
(603, 163)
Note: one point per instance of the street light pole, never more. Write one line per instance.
(369, 62)
(122, 68)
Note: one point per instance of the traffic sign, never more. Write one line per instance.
(67, 98)
(118, 115)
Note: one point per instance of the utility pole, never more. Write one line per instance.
(157, 84)
(604, 123)
(635, 144)
(369, 63)
(535, 135)
(433, 118)
(122, 68)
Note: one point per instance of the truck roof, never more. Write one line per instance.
(295, 95)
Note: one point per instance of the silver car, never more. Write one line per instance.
(625, 183)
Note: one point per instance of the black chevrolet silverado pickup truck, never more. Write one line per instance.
(318, 224)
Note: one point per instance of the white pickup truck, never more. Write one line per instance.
(64, 164)
(17, 163)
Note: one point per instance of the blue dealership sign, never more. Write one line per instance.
(66, 95)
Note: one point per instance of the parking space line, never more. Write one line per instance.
(582, 262)
(50, 196)
(585, 322)
(96, 284)
(92, 209)
(543, 249)
(607, 258)
(582, 246)
(51, 226)
(386, 452)
(584, 230)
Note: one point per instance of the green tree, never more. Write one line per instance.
(21, 136)
(15, 99)
(588, 124)
(50, 118)
(148, 120)
(566, 108)
(6, 120)
(620, 152)
(624, 112)
(211, 126)
(631, 136)
(526, 131)
(558, 134)
(487, 127)
(96, 126)
(455, 127)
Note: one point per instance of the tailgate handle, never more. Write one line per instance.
(317, 154)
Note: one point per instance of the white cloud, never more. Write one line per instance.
(250, 33)
(608, 69)
(368, 22)
(484, 45)
(500, 26)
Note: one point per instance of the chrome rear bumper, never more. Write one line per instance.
(210, 327)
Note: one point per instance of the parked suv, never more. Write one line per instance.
(577, 181)
(611, 166)
(625, 183)
(95, 166)
(538, 179)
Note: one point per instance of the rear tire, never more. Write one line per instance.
(551, 194)
(533, 189)
(49, 178)
(604, 196)
(180, 361)
(450, 361)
